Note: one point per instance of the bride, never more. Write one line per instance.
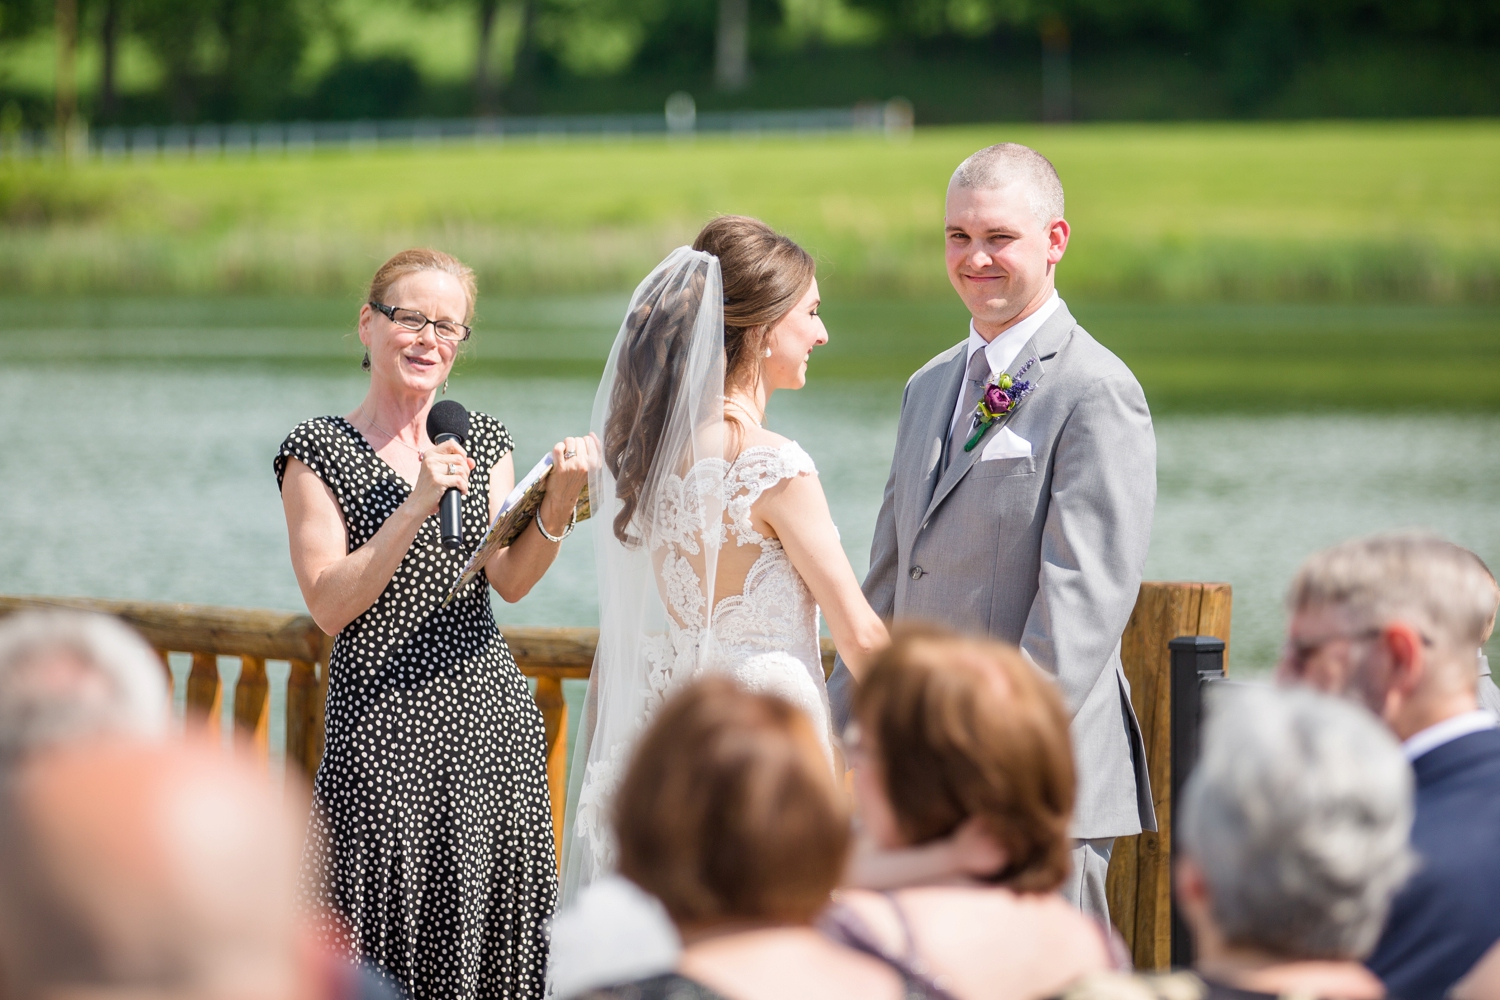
(715, 548)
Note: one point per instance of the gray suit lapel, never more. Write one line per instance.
(1045, 342)
(940, 419)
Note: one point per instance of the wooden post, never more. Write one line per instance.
(1140, 871)
(549, 698)
(205, 693)
(306, 692)
(252, 711)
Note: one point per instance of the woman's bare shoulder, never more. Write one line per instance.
(760, 437)
(876, 915)
(1023, 918)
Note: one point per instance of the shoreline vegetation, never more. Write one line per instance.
(1328, 212)
(1252, 358)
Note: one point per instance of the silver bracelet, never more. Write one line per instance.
(556, 539)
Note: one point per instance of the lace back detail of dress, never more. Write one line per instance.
(765, 636)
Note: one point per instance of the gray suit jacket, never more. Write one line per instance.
(1045, 552)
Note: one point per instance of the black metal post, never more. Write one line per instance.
(1196, 660)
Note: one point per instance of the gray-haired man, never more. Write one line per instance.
(1394, 622)
(1027, 520)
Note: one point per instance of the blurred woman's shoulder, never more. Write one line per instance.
(967, 936)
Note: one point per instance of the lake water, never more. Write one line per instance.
(137, 463)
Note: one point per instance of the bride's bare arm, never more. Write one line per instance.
(797, 512)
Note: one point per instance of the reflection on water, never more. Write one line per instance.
(153, 480)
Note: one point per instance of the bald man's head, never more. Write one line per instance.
(1007, 163)
(69, 676)
(131, 869)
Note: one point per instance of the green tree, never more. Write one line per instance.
(486, 15)
(226, 58)
(21, 18)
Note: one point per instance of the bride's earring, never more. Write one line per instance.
(768, 352)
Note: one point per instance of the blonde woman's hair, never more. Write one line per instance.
(424, 259)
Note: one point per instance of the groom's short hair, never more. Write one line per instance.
(1006, 162)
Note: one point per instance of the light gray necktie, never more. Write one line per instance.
(974, 381)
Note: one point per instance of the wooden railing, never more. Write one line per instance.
(1139, 882)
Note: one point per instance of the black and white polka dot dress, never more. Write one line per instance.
(430, 848)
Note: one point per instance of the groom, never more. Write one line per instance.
(1030, 524)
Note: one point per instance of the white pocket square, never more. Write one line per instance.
(1005, 443)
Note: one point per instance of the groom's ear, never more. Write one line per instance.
(1057, 240)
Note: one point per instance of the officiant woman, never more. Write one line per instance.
(430, 850)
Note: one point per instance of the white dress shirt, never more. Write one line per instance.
(1002, 351)
(1447, 731)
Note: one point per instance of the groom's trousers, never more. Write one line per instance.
(1085, 885)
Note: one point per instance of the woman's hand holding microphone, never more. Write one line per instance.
(444, 467)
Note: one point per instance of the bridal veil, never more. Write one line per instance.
(659, 412)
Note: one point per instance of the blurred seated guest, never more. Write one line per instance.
(167, 870)
(67, 676)
(954, 736)
(1292, 835)
(730, 816)
(1395, 622)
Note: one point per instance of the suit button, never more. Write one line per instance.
(916, 572)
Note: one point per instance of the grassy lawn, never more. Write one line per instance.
(1165, 213)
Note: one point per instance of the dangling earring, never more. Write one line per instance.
(768, 352)
(365, 364)
(445, 387)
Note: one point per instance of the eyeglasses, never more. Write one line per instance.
(410, 319)
(1297, 654)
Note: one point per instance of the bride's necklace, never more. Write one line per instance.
(730, 401)
(394, 437)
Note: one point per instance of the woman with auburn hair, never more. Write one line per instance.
(730, 816)
(430, 843)
(716, 550)
(953, 733)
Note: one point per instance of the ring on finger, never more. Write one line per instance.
(570, 453)
(452, 468)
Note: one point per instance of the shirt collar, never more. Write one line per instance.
(1003, 349)
(1446, 732)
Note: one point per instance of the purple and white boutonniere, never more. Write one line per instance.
(1001, 396)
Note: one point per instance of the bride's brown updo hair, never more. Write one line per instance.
(764, 275)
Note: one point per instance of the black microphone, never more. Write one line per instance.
(449, 421)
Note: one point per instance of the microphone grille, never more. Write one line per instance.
(448, 416)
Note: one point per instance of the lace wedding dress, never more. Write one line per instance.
(765, 636)
(667, 613)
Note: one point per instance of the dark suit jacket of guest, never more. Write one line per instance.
(1448, 915)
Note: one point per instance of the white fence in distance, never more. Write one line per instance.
(680, 120)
